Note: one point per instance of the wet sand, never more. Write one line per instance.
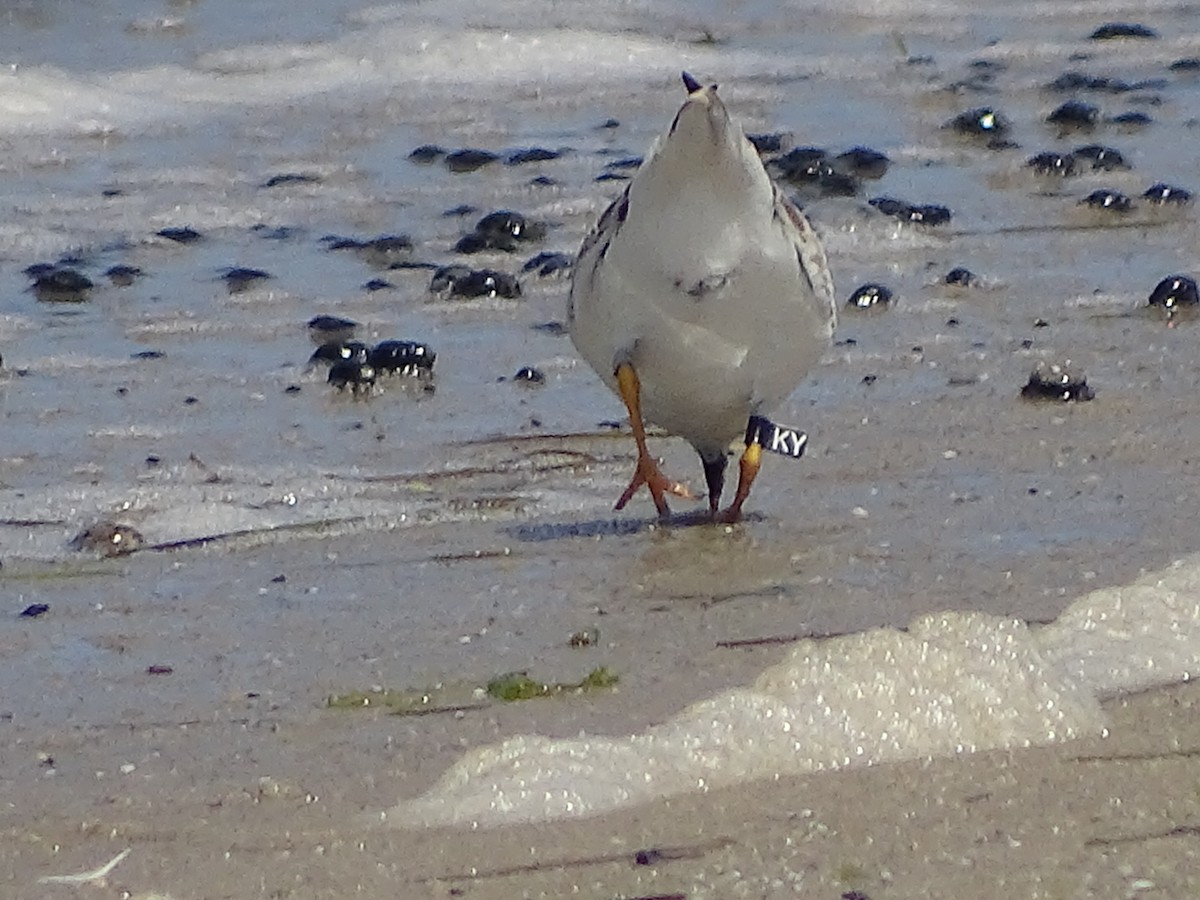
(257, 802)
(173, 701)
(228, 777)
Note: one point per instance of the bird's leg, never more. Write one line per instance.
(647, 471)
(747, 471)
(714, 475)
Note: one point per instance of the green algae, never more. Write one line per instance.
(456, 696)
(447, 697)
(519, 686)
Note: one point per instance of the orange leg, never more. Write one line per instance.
(747, 472)
(647, 471)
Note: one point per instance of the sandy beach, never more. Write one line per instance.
(298, 543)
(262, 804)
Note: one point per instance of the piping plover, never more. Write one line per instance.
(702, 297)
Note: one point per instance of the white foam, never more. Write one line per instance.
(396, 59)
(416, 52)
(951, 683)
(1134, 637)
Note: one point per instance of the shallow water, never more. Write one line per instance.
(483, 509)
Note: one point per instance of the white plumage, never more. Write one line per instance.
(708, 285)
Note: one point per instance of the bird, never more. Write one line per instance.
(702, 297)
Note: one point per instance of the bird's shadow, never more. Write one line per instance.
(539, 532)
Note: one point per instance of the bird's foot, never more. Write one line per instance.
(648, 473)
(747, 471)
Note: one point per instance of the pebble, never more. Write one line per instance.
(1078, 81)
(427, 153)
(61, 285)
(531, 376)
(410, 265)
(108, 538)
(831, 183)
(1105, 199)
(336, 352)
(182, 235)
(1162, 194)
(1103, 158)
(1173, 292)
(983, 121)
(123, 276)
(1111, 30)
(1052, 163)
(402, 357)
(468, 159)
(801, 159)
(291, 178)
(545, 264)
(379, 251)
(38, 269)
(463, 281)
(961, 277)
(1075, 115)
(1052, 381)
(501, 230)
(1131, 121)
(239, 279)
(326, 329)
(274, 233)
(772, 142)
(585, 637)
(870, 296)
(624, 163)
(446, 277)
(530, 155)
(358, 376)
(862, 162)
(809, 169)
(923, 214)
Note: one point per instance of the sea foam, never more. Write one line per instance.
(950, 683)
